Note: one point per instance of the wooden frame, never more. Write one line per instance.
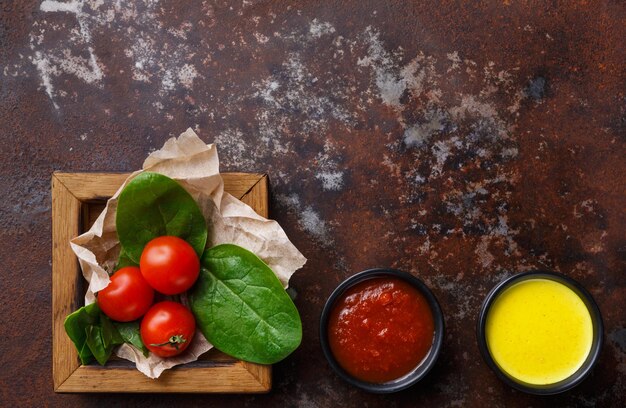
(73, 195)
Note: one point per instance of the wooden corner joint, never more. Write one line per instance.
(258, 180)
(261, 373)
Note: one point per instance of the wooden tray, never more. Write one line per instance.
(77, 200)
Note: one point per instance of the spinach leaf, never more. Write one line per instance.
(97, 344)
(130, 334)
(242, 308)
(93, 334)
(152, 205)
(75, 325)
(110, 334)
(124, 261)
(101, 339)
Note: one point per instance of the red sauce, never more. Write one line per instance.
(380, 329)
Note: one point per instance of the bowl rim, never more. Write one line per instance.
(596, 345)
(422, 368)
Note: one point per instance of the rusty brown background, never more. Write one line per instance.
(457, 141)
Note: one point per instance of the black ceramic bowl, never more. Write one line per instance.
(422, 368)
(596, 345)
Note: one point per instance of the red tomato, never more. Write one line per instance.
(167, 328)
(128, 296)
(169, 264)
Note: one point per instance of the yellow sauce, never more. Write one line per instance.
(539, 331)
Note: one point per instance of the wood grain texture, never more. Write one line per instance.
(238, 377)
(101, 186)
(257, 195)
(65, 225)
(77, 199)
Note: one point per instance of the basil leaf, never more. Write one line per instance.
(75, 325)
(152, 205)
(241, 307)
(130, 334)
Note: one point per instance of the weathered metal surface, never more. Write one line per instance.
(459, 142)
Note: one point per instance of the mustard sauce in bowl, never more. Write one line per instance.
(540, 331)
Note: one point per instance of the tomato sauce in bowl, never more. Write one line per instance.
(380, 329)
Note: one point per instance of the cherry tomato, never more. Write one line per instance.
(167, 328)
(169, 264)
(128, 296)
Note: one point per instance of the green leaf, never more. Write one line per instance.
(241, 307)
(124, 261)
(130, 334)
(110, 334)
(86, 356)
(93, 334)
(152, 205)
(100, 347)
(75, 325)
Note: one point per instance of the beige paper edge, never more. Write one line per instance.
(195, 165)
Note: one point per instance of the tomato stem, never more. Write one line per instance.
(172, 341)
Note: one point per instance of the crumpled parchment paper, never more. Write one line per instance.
(195, 166)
